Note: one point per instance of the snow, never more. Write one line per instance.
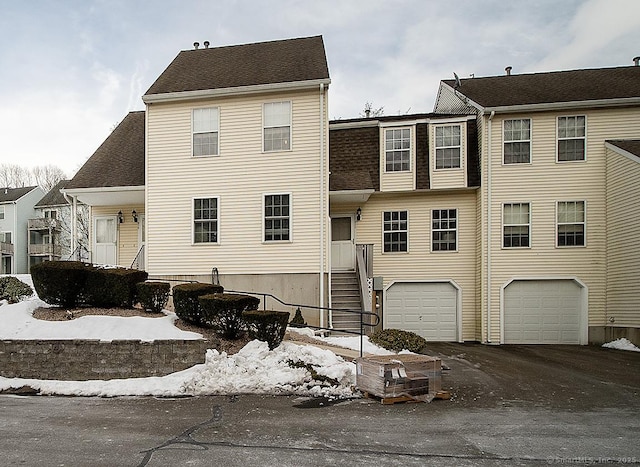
(621, 344)
(253, 370)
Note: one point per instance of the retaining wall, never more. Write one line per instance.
(80, 360)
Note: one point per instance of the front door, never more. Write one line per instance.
(105, 240)
(142, 234)
(343, 245)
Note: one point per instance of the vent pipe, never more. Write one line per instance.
(206, 44)
(636, 61)
(508, 70)
(196, 45)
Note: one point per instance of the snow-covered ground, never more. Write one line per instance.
(621, 344)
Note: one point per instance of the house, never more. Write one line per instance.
(16, 207)
(552, 268)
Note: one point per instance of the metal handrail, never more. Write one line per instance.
(136, 260)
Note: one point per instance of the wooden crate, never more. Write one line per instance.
(390, 376)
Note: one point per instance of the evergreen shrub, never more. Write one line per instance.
(223, 312)
(153, 296)
(14, 290)
(185, 300)
(113, 287)
(397, 340)
(267, 326)
(61, 283)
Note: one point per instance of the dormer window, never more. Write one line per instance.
(205, 131)
(448, 147)
(397, 144)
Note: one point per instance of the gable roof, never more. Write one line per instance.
(282, 61)
(8, 195)
(631, 146)
(119, 161)
(54, 197)
(553, 87)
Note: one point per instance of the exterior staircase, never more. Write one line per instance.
(345, 294)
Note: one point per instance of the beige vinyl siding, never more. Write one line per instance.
(448, 178)
(127, 235)
(397, 181)
(239, 177)
(542, 183)
(623, 224)
(420, 263)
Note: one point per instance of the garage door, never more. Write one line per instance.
(542, 312)
(427, 308)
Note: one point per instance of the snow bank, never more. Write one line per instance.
(621, 344)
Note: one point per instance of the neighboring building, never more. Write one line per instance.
(549, 256)
(16, 207)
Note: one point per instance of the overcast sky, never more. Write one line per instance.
(71, 70)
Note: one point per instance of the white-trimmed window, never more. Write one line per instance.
(5, 237)
(276, 117)
(448, 147)
(444, 230)
(517, 141)
(205, 220)
(1, 212)
(277, 217)
(205, 127)
(516, 225)
(397, 149)
(395, 228)
(572, 138)
(571, 220)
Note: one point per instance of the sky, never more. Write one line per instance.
(71, 70)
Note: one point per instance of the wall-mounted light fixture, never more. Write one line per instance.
(358, 214)
(134, 214)
(120, 217)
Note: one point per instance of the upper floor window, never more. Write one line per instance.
(571, 138)
(277, 126)
(516, 225)
(571, 223)
(205, 131)
(1, 212)
(444, 229)
(448, 148)
(395, 231)
(277, 217)
(50, 214)
(397, 148)
(517, 141)
(5, 237)
(205, 220)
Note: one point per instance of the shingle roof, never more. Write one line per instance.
(632, 146)
(559, 86)
(119, 161)
(54, 197)
(8, 195)
(280, 61)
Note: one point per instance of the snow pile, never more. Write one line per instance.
(621, 344)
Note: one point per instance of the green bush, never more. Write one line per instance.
(14, 290)
(185, 300)
(267, 326)
(298, 321)
(223, 312)
(113, 287)
(153, 296)
(61, 283)
(397, 340)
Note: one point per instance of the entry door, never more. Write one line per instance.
(142, 235)
(105, 243)
(343, 246)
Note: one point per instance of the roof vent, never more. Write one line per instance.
(206, 44)
(508, 70)
(636, 61)
(196, 45)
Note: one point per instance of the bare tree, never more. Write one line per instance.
(370, 112)
(47, 176)
(15, 176)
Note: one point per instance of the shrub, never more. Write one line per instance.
(397, 340)
(153, 296)
(185, 300)
(267, 326)
(113, 287)
(61, 283)
(223, 312)
(14, 290)
(298, 321)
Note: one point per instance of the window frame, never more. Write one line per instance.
(454, 230)
(265, 127)
(565, 138)
(436, 147)
(216, 131)
(583, 223)
(194, 220)
(505, 141)
(393, 150)
(289, 217)
(2, 212)
(405, 231)
(528, 225)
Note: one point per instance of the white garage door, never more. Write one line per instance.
(427, 308)
(542, 312)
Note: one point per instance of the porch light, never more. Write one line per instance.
(120, 217)
(358, 214)
(134, 214)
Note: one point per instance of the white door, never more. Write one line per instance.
(429, 309)
(142, 236)
(343, 246)
(543, 312)
(105, 240)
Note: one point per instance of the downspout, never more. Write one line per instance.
(14, 237)
(322, 214)
(493, 112)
